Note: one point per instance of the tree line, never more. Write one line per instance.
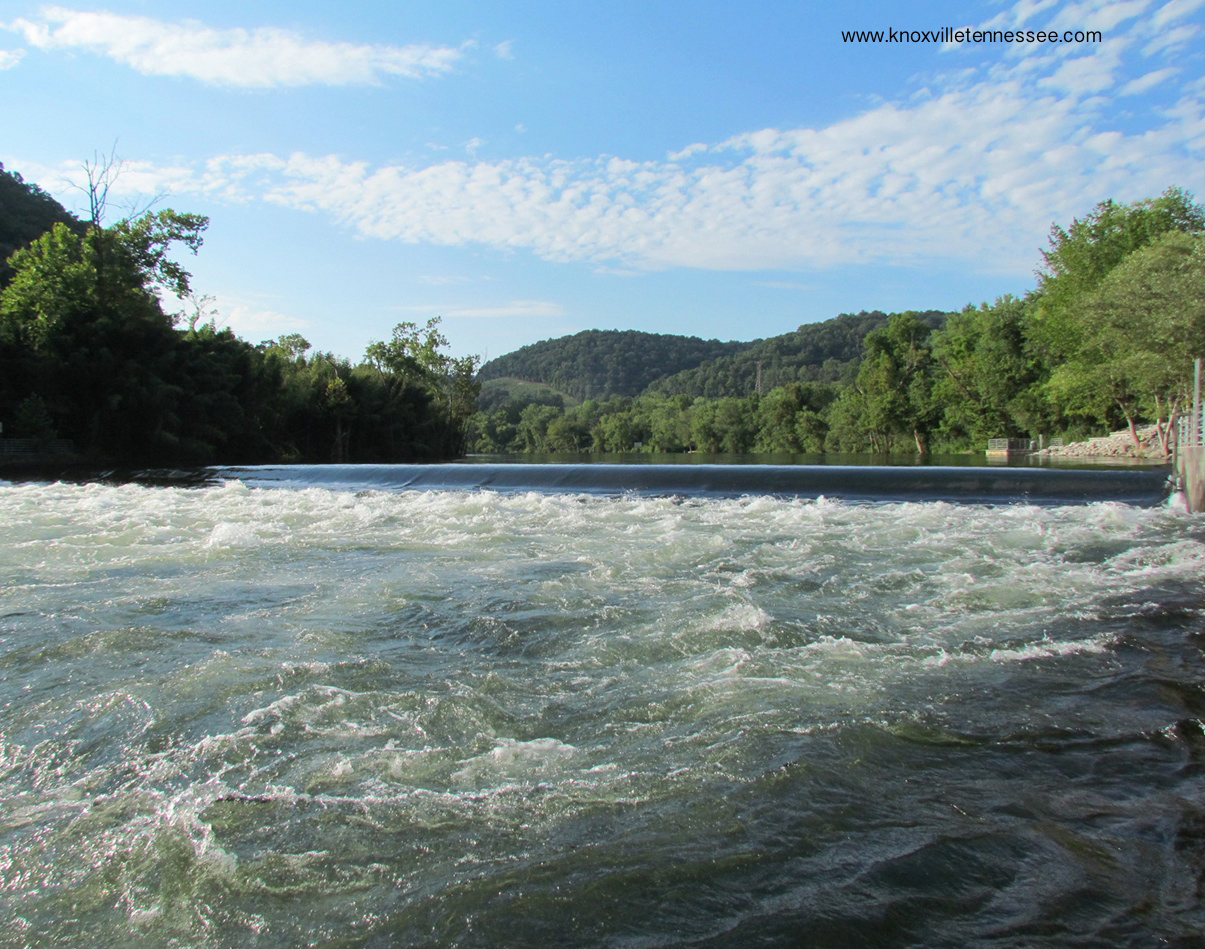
(88, 352)
(1104, 341)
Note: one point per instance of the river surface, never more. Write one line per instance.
(268, 712)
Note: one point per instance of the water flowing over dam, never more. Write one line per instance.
(845, 482)
(592, 706)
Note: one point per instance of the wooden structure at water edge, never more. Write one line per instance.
(1190, 450)
(998, 448)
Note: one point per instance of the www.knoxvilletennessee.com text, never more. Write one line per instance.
(949, 34)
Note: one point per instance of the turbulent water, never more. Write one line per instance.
(319, 716)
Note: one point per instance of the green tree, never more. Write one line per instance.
(414, 356)
(88, 349)
(1140, 329)
(892, 393)
(534, 422)
(615, 429)
(1080, 257)
(412, 352)
(26, 213)
(983, 378)
(789, 419)
(84, 317)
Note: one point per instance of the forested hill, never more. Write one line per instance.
(816, 352)
(26, 213)
(598, 364)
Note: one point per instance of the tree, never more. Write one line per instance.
(892, 394)
(788, 418)
(88, 350)
(983, 377)
(1140, 329)
(411, 353)
(534, 422)
(1081, 256)
(93, 333)
(414, 357)
(147, 240)
(293, 346)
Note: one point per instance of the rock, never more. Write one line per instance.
(1116, 445)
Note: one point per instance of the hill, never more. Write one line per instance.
(26, 213)
(496, 393)
(815, 352)
(598, 364)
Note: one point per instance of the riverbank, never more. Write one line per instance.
(1116, 445)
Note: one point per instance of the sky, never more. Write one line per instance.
(527, 169)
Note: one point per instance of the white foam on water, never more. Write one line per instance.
(232, 535)
(224, 671)
(512, 761)
(1048, 649)
(739, 616)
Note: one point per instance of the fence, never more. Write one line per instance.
(1192, 428)
(998, 446)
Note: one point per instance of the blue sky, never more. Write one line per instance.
(528, 169)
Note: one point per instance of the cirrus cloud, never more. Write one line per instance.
(255, 58)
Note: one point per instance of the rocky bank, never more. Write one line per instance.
(1116, 445)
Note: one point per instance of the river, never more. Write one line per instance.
(288, 709)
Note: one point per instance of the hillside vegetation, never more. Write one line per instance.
(88, 353)
(1106, 340)
(816, 352)
(599, 364)
(26, 213)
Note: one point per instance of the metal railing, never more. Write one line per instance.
(1192, 428)
(997, 445)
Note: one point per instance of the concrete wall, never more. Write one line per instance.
(1190, 470)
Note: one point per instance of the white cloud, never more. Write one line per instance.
(503, 50)
(10, 57)
(1103, 15)
(1093, 72)
(975, 175)
(1144, 83)
(688, 152)
(231, 57)
(1024, 11)
(969, 175)
(252, 320)
(531, 309)
(1170, 39)
(784, 285)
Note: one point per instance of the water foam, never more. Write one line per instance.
(234, 714)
